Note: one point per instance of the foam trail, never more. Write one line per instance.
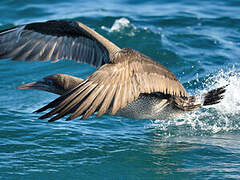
(222, 117)
(231, 102)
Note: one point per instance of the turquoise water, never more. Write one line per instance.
(198, 40)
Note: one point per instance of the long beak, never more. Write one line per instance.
(32, 85)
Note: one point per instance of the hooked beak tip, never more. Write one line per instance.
(27, 86)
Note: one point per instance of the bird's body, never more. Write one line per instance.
(126, 83)
(149, 106)
(146, 106)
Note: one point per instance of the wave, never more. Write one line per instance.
(120, 25)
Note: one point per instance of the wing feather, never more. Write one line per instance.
(113, 86)
(55, 40)
(96, 103)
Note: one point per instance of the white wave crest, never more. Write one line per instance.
(121, 24)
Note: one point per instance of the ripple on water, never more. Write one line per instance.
(197, 40)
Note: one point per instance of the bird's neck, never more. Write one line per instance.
(68, 83)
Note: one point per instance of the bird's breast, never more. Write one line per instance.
(149, 106)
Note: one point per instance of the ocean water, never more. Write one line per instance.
(198, 40)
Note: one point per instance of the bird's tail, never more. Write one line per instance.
(214, 96)
(195, 102)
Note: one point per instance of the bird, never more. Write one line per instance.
(126, 82)
(62, 83)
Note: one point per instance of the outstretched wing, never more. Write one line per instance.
(55, 40)
(113, 86)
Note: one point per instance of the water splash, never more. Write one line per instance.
(219, 118)
(120, 25)
(231, 102)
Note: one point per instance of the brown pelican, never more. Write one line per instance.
(61, 83)
(126, 83)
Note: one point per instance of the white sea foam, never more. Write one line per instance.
(231, 102)
(211, 119)
(121, 24)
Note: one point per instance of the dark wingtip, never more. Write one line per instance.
(44, 108)
(52, 120)
(69, 118)
(8, 29)
(43, 117)
(52, 104)
(83, 117)
(46, 116)
(49, 114)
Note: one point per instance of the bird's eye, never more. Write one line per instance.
(48, 82)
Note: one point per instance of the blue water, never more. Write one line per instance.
(198, 40)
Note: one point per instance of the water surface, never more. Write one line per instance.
(198, 40)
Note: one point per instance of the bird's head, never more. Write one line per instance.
(56, 83)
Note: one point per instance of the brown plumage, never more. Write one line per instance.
(123, 74)
(146, 106)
